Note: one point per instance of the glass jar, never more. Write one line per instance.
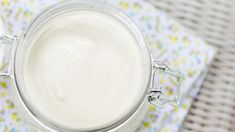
(153, 93)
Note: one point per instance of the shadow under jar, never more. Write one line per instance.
(84, 66)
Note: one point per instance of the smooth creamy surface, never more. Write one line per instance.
(84, 70)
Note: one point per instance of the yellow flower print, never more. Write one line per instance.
(146, 124)
(176, 62)
(185, 40)
(162, 81)
(4, 94)
(124, 5)
(6, 129)
(137, 6)
(184, 106)
(175, 110)
(4, 65)
(3, 84)
(173, 39)
(190, 73)
(152, 117)
(10, 104)
(156, 45)
(14, 117)
(4, 2)
(1, 119)
(169, 92)
(152, 108)
(165, 130)
(18, 13)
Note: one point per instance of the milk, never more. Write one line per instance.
(84, 70)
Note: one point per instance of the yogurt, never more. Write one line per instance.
(84, 70)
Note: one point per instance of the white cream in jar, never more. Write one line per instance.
(84, 70)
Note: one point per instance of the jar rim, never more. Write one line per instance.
(80, 5)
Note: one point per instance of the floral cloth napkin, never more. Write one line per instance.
(172, 43)
(169, 42)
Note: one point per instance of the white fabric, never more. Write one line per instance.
(1, 49)
(1, 26)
